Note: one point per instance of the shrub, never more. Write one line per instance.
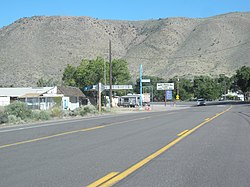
(90, 109)
(41, 115)
(44, 115)
(18, 109)
(14, 120)
(56, 112)
(58, 101)
(71, 113)
(82, 111)
(3, 116)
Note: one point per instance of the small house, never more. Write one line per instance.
(44, 98)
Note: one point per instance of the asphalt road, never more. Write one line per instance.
(197, 146)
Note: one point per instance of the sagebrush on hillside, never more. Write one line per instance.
(39, 46)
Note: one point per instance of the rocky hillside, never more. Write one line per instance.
(41, 47)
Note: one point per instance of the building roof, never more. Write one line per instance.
(70, 91)
(30, 95)
(36, 92)
(17, 92)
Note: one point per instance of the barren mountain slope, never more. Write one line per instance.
(36, 47)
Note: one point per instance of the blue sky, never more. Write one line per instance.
(12, 10)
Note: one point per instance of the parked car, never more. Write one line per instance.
(201, 102)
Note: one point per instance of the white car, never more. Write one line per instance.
(201, 102)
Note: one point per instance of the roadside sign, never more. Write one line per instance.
(169, 95)
(145, 80)
(165, 86)
(90, 88)
(106, 87)
(119, 87)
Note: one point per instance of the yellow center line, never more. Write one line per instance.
(141, 163)
(72, 132)
(183, 132)
(103, 179)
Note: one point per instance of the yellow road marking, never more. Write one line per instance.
(70, 132)
(103, 179)
(52, 136)
(183, 132)
(141, 163)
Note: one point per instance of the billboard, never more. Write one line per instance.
(165, 86)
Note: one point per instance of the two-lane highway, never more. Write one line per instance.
(199, 146)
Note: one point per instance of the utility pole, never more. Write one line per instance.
(141, 87)
(99, 97)
(178, 90)
(105, 83)
(110, 75)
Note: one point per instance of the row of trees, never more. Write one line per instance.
(90, 72)
(203, 86)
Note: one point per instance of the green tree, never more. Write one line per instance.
(184, 87)
(69, 75)
(224, 83)
(43, 82)
(206, 87)
(121, 73)
(243, 79)
(90, 72)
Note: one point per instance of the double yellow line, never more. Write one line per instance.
(115, 177)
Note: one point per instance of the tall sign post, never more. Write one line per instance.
(141, 87)
(110, 75)
(105, 82)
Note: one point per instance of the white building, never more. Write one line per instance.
(43, 98)
(234, 95)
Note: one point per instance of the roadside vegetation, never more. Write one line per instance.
(201, 86)
(18, 113)
(90, 72)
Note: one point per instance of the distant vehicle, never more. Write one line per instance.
(133, 100)
(201, 102)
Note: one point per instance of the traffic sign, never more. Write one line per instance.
(165, 86)
(106, 87)
(119, 87)
(169, 95)
(145, 80)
